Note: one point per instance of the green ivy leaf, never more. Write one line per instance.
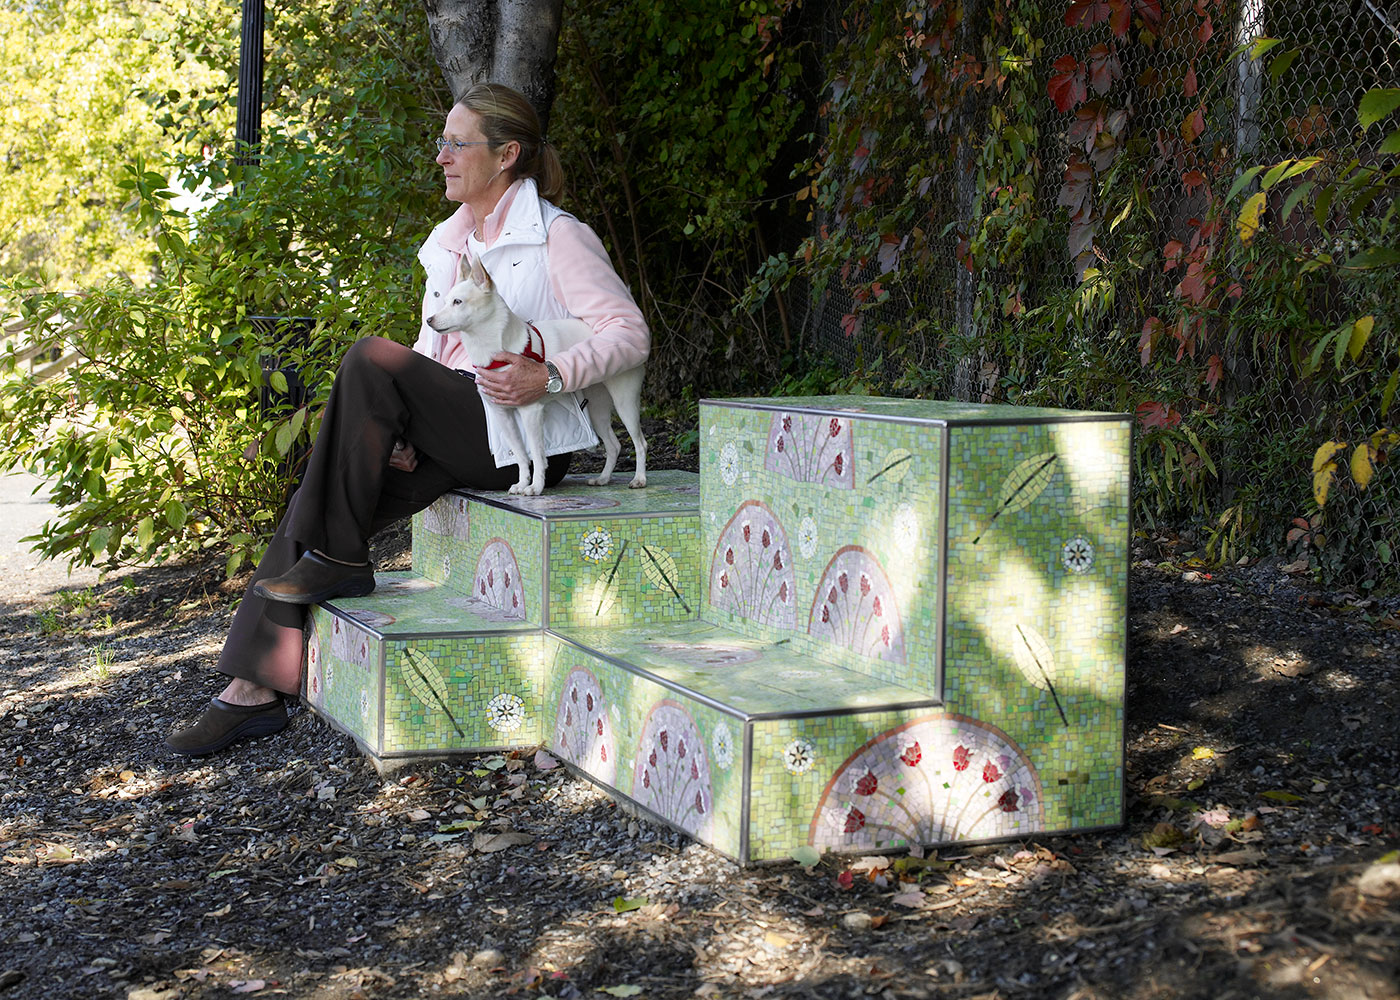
(1377, 104)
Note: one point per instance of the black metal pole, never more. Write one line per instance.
(248, 127)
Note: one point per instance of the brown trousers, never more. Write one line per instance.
(383, 392)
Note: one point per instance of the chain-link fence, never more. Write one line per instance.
(1093, 239)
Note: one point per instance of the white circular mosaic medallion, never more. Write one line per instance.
(799, 756)
(505, 713)
(596, 545)
(722, 746)
(1077, 555)
(729, 464)
(807, 537)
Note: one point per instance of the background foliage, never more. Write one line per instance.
(1180, 208)
(1059, 204)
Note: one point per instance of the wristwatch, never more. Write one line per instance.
(555, 383)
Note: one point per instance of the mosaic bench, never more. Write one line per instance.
(885, 622)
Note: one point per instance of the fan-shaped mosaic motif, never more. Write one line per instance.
(751, 569)
(448, 516)
(811, 448)
(671, 775)
(497, 581)
(583, 733)
(350, 643)
(932, 781)
(854, 607)
(315, 668)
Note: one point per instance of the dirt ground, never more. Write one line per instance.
(1258, 860)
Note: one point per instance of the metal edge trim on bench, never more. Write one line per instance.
(591, 513)
(940, 649)
(1069, 416)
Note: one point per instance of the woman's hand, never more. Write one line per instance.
(403, 457)
(519, 381)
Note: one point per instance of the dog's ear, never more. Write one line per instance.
(479, 275)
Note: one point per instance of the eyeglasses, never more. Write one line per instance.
(457, 145)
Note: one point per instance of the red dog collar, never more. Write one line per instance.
(528, 352)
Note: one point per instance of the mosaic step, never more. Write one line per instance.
(757, 751)
(418, 668)
(977, 554)
(578, 555)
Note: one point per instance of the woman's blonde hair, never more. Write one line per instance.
(506, 116)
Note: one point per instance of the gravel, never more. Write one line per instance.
(1257, 860)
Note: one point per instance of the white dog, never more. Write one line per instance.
(487, 325)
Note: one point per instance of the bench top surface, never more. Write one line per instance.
(668, 491)
(930, 411)
(750, 678)
(405, 606)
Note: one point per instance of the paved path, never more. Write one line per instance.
(24, 576)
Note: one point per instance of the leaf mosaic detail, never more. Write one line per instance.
(671, 772)
(425, 681)
(751, 569)
(1034, 659)
(1022, 485)
(497, 581)
(932, 781)
(854, 607)
(660, 569)
(583, 733)
(811, 448)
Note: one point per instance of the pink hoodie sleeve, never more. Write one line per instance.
(586, 284)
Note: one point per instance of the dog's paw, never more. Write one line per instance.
(600, 480)
(638, 482)
(518, 488)
(531, 490)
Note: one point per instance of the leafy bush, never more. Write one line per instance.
(178, 433)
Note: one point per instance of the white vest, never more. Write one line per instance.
(518, 264)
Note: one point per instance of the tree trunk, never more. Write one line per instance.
(497, 41)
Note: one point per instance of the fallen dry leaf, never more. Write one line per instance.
(489, 843)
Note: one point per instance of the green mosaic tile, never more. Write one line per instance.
(405, 604)
(832, 691)
(825, 531)
(1037, 581)
(624, 571)
(462, 693)
(615, 555)
(752, 677)
(341, 681)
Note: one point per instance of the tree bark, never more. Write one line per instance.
(497, 41)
